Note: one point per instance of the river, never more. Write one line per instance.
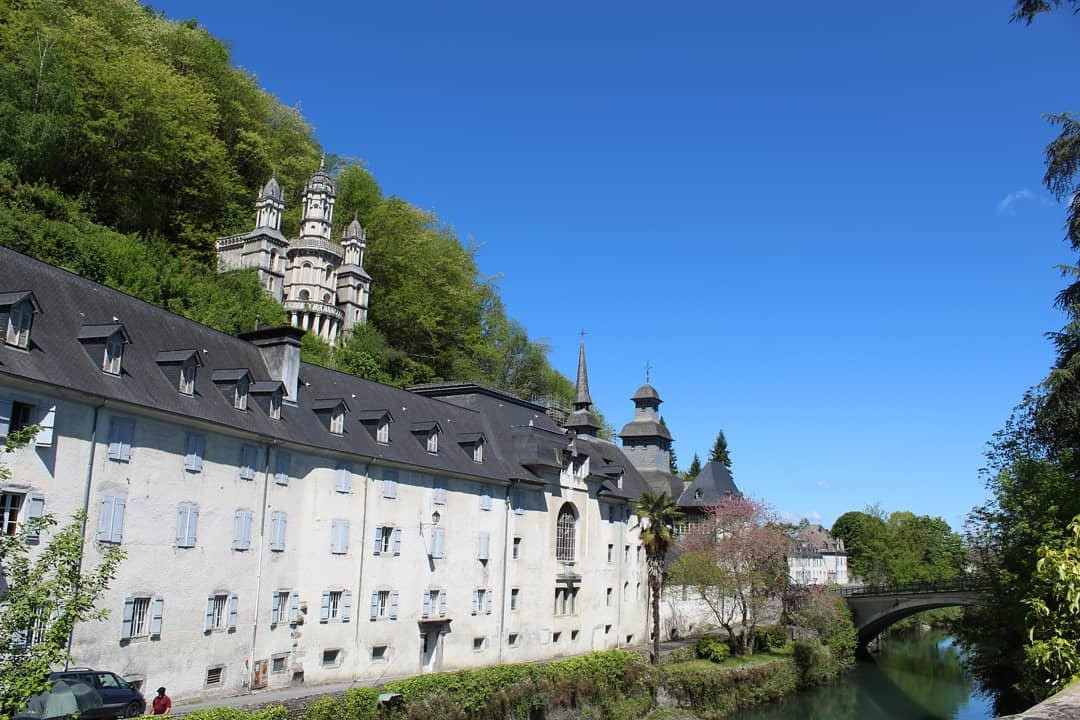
(918, 676)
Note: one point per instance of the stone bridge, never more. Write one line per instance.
(875, 607)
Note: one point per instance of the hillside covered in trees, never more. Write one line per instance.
(129, 142)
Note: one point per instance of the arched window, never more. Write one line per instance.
(326, 273)
(304, 295)
(326, 298)
(566, 533)
(305, 273)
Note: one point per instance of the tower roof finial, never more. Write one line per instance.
(583, 401)
(322, 162)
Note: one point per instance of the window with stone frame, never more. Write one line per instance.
(566, 534)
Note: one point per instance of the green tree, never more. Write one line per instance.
(1053, 651)
(720, 451)
(695, 468)
(866, 540)
(658, 515)
(44, 593)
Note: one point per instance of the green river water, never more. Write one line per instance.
(916, 677)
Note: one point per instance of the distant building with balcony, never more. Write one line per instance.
(321, 283)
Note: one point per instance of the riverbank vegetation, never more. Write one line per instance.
(129, 142)
(1023, 643)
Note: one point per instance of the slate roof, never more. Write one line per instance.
(714, 483)
(645, 429)
(663, 481)
(647, 392)
(56, 358)
(815, 541)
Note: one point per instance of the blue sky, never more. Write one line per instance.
(822, 224)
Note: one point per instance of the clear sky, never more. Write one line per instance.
(821, 223)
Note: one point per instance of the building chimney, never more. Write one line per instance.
(280, 348)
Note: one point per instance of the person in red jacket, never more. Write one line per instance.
(162, 704)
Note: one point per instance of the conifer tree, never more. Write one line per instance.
(720, 450)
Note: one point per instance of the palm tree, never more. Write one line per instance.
(658, 514)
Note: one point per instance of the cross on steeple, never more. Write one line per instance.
(648, 369)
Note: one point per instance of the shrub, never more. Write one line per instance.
(273, 712)
(772, 637)
(712, 647)
(814, 662)
(718, 691)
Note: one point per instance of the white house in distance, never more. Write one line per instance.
(287, 524)
(818, 558)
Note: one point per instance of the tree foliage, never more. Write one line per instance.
(720, 451)
(658, 515)
(44, 593)
(129, 143)
(736, 562)
(694, 469)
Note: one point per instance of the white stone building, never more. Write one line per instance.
(287, 524)
(818, 558)
(322, 283)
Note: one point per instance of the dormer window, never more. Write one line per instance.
(382, 433)
(473, 444)
(235, 384)
(478, 453)
(180, 367)
(240, 394)
(114, 355)
(377, 422)
(105, 344)
(332, 413)
(427, 432)
(268, 395)
(433, 442)
(19, 309)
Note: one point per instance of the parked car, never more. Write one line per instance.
(119, 698)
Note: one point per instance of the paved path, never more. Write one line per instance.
(260, 698)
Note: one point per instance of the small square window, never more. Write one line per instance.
(611, 552)
(517, 548)
(607, 629)
(479, 643)
(279, 663)
(331, 658)
(514, 639)
(379, 652)
(573, 634)
(22, 416)
(214, 675)
(514, 593)
(629, 639)
(555, 637)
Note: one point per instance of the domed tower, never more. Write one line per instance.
(353, 282)
(647, 442)
(311, 281)
(264, 248)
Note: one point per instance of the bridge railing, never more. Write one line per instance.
(956, 585)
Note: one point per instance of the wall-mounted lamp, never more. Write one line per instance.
(435, 517)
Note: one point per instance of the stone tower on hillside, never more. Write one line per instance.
(322, 283)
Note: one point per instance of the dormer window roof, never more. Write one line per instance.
(268, 394)
(430, 430)
(473, 443)
(234, 384)
(332, 412)
(105, 343)
(17, 310)
(180, 367)
(378, 424)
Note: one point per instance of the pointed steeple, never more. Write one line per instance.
(582, 421)
(583, 401)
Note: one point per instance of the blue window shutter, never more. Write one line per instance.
(5, 415)
(397, 541)
(47, 421)
(489, 599)
(233, 603)
(346, 606)
(343, 480)
(294, 607)
(282, 527)
(127, 438)
(442, 602)
(374, 605)
(116, 532)
(275, 608)
(485, 544)
(427, 603)
(475, 601)
(238, 542)
(324, 608)
(196, 446)
(193, 525)
(181, 525)
(438, 491)
(129, 612)
(209, 614)
(104, 533)
(485, 498)
(247, 462)
(437, 538)
(344, 532)
(519, 503)
(281, 476)
(116, 439)
(378, 539)
(393, 605)
(34, 510)
(157, 611)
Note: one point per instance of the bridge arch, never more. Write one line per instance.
(873, 613)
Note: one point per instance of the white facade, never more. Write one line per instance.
(818, 558)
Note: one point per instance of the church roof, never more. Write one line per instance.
(712, 486)
(647, 392)
(354, 231)
(582, 419)
(645, 429)
(582, 397)
(320, 182)
(272, 189)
